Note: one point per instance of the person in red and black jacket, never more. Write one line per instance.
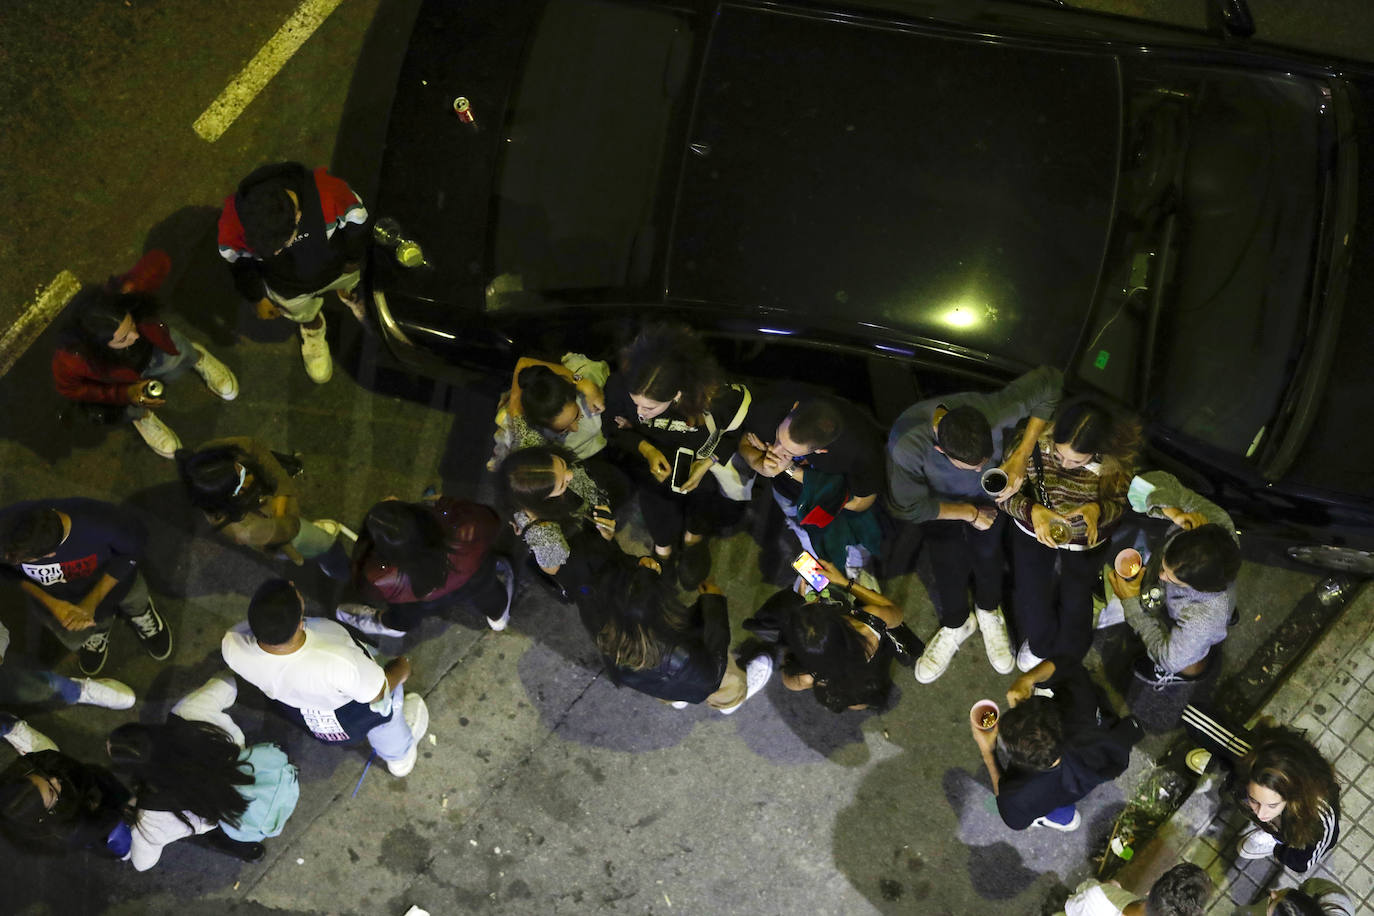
(290, 235)
(416, 560)
(115, 344)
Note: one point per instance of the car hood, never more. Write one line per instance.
(927, 187)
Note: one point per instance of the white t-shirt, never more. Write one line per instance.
(1096, 899)
(328, 671)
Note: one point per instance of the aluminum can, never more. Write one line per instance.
(463, 110)
(152, 389)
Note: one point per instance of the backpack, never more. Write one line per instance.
(272, 796)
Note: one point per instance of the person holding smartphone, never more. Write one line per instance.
(556, 506)
(677, 425)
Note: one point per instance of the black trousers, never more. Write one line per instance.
(484, 590)
(1054, 613)
(705, 510)
(960, 552)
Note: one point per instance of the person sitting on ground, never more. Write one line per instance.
(1079, 472)
(291, 235)
(552, 404)
(1181, 602)
(416, 560)
(24, 684)
(247, 495)
(669, 404)
(555, 505)
(1290, 792)
(325, 680)
(938, 451)
(115, 344)
(53, 803)
(651, 643)
(1181, 891)
(192, 775)
(1059, 747)
(78, 561)
(1314, 897)
(842, 651)
(826, 462)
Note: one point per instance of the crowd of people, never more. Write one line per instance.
(1035, 516)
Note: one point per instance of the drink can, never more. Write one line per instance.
(463, 109)
(152, 389)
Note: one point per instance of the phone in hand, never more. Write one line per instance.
(810, 569)
(682, 469)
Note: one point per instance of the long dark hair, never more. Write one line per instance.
(408, 537)
(1088, 426)
(544, 394)
(89, 805)
(640, 618)
(816, 638)
(1282, 760)
(96, 314)
(669, 358)
(182, 766)
(527, 479)
(210, 480)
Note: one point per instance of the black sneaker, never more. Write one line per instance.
(93, 652)
(153, 632)
(694, 564)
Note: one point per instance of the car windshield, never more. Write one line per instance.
(580, 180)
(1207, 298)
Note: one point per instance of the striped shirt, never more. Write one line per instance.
(1065, 489)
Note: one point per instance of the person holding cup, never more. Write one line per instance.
(1079, 472)
(1181, 603)
(939, 452)
(115, 353)
(1055, 743)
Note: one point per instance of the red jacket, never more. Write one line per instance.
(469, 529)
(82, 379)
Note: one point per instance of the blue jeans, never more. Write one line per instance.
(167, 367)
(392, 739)
(24, 684)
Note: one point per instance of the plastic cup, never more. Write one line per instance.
(1128, 563)
(979, 712)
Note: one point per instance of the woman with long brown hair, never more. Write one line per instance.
(671, 408)
(1077, 477)
(1290, 792)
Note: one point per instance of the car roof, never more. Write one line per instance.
(944, 187)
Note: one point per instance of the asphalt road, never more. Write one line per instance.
(546, 790)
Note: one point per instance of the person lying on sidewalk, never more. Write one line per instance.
(1059, 747)
(1181, 891)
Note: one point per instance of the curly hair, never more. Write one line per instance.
(668, 359)
(1283, 761)
(1033, 731)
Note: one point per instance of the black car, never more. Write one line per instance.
(947, 192)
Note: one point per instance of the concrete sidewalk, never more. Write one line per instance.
(1331, 697)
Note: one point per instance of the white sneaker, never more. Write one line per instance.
(105, 692)
(26, 739)
(995, 640)
(506, 576)
(315, 352)
(157, 434)
(934, 661)
(1071, 826)
(365, 619)
(416, 715)
(1256, 843)
(216, 375)
(1026, 659)
(679, 704)
(756, 675)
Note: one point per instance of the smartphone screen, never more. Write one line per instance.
(682, 468)
(810, 570)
